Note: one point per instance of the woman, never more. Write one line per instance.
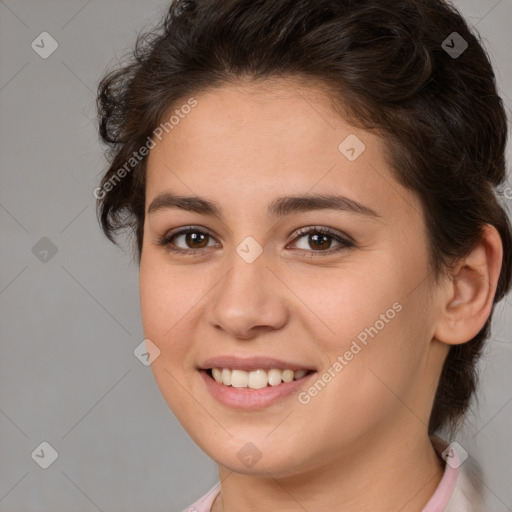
(312, 189)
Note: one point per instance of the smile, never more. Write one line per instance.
(254, 389)
(256, 379)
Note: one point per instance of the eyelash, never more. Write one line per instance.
(345, 243)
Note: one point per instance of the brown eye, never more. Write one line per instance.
(195, 240)
(192, 241)
(320, 239)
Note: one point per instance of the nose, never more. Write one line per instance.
(249, 300)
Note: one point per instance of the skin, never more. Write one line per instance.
(243, 146)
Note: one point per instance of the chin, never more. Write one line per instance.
(277, 468)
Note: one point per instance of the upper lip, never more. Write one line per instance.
(250, 363)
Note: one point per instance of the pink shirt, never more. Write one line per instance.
(455, 492)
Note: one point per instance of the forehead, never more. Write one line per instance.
(262, 138)
(283, 107)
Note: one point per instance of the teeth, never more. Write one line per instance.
(217, 374)
(274, 377)
(299, 374)
(256, 379)
(239, 379)
(288, 375)
(226, 377)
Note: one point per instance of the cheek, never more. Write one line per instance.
(355, 304)
(166, 293)
(167, 300)
(376, 342)
(370, 386)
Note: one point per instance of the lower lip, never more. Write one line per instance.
(252, 399)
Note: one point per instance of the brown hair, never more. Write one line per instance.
(386, 65)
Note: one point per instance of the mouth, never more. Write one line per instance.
(255, 379)
(253, 384)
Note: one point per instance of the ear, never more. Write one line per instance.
(469, 292)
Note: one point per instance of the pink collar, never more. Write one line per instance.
(444, 491)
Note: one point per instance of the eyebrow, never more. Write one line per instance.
(279, 207)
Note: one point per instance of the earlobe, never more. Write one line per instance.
(470, 292)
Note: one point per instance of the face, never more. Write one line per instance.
(250, 281)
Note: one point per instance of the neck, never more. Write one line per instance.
(395, 472)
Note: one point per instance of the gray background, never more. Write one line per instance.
(70, 324)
